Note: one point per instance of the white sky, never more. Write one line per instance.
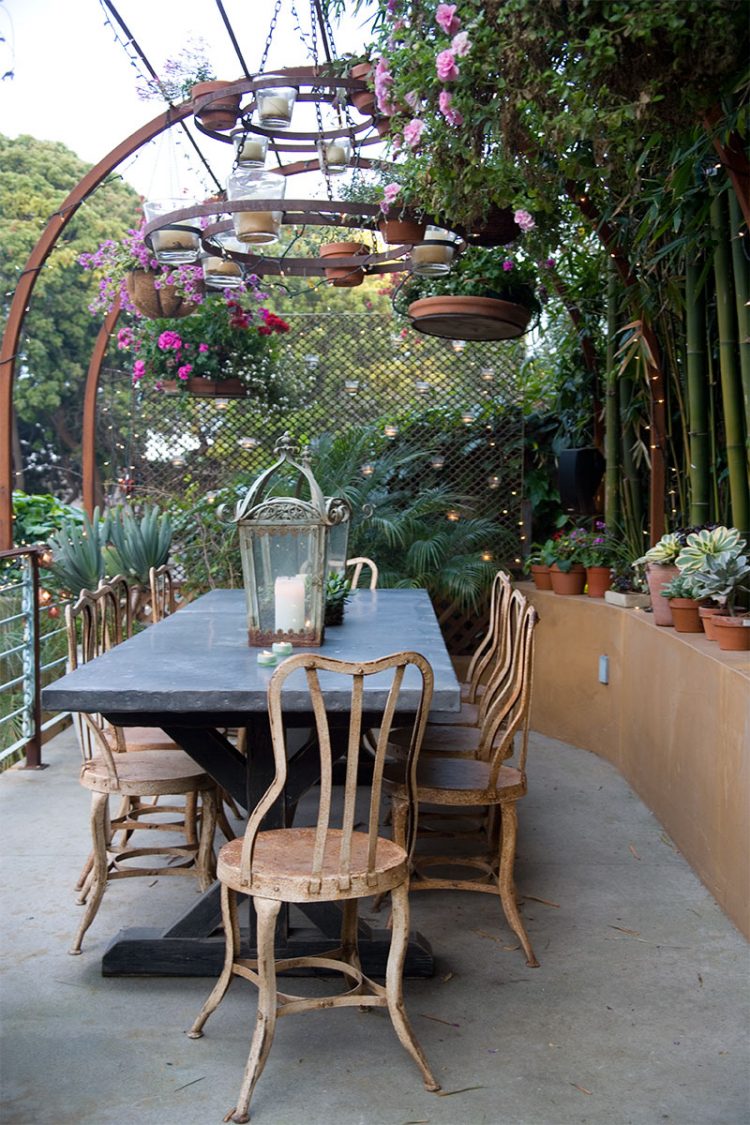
(74, 83)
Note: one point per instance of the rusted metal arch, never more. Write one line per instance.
(20, 304)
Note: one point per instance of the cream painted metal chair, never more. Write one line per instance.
(329, 862)
(492, 783)
(358, 563)
(93, 626)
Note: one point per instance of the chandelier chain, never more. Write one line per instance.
(271, 29)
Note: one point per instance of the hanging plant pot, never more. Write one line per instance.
(362, 100)
(732, 633)
(205, 388)
(222, 112)
(685, 615)
(541, 576)
(156, 303)
(398, 232)
(469, 318)
(598, 580)
(568, 582)
(498, 228)
(344, 276)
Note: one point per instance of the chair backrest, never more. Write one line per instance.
(123, 591)
(510, 711)
(489, 649)
(392, 671)
(94, 625)
(358, 563)
(163, 600)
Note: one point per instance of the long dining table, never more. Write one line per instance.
(194, 676)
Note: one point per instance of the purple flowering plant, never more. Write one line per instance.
(114, 259)
(600, 547)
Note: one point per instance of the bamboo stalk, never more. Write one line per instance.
(697, 390)
(631, 490)
(611, 411)
(731, 387)
(739, 235)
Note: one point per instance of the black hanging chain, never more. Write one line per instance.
(322, 146)
(271, 29)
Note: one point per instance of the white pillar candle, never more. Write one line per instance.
(289, 604)
(257, 226)
(252, 152)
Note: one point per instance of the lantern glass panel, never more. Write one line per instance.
(283, 569)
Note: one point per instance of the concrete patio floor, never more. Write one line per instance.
(638, 1014)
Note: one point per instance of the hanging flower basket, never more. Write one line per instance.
(398, 232)
(222, 112)
(156, 304)
(344, 276)
(469, 318)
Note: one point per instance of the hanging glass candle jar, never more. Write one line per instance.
(334, 155)
(261, 224)
(172, 243)
(275, 106)
(433, 257)
(249, 148)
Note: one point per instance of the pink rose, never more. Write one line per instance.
(524, 220)
(446, 18)
(169, 340)
(184, 371)
(452, 116)
(413, 132)
(445, 64)
(460, 44)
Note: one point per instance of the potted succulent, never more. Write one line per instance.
(338, 589)
(539, 562)
(659, 561)
(723, 577)
(486, 296)
(682, 595)
(227, 348)
(710, 554)
(567, 572)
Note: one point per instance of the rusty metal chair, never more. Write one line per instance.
(329, 862)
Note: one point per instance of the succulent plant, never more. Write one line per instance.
(77, 553)
(683, 586)
(722, 578)
(718, 542)
(135, 545)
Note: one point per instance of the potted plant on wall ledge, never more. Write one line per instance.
(627, 590)
(567, 572)
(713, 558)
(599, 553)
(682, 595)
(539, 562)
(659, 561)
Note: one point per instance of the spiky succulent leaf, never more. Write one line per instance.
(719, 542)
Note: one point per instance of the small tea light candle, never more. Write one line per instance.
(283, 648)
(267, 659)
(250, 149)
(334, 155)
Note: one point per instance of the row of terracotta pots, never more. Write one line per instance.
(595, 580)
(689, 616)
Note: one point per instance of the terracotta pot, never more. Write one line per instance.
(363, 100)
(598, 580)
(397, 232)
(222, 112)
(497, 228)
(344, 277)
(469, 318)
(707, 613)
(685, 615)
(658, 576)
(732, 633)
(205, 388)
(541, 576)
(568, 582)
(156, 303)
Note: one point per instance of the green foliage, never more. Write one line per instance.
(35, 518)
(723, 578)
(206, 547)
(338, 590)
(78, 561)
(682, 586)
(663, 553)
(137, 543)
(480, 273)
(720, 543)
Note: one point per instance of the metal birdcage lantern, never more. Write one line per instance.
(286, 550)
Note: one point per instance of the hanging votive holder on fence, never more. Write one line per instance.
(275, 106)
(334, 155)
(249, 148)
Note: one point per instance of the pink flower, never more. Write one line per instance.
(507, 265)
(524, 220)
(446, 18)
(124, 339)
(184, 371)
(549, 264)
(390, 191)
(452, 116)
(169, 340)
(139, 370)
(445, 64)
(413, 132)
(203, 347)
(412, 99)
(460, 44)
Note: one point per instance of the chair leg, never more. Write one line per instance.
(191, 818)
(394, 978)
(508, 833)
(205, 860)
(231, 922)
(98, 873)
(399, 818)
(267, 911)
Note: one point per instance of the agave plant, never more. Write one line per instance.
(718, 543)
(135, 545)
(722, 578)
(77, 548)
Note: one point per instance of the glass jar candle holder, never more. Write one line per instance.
(334, 155)
(221, 273)
(433, 257)
(262, 224)
(174, 243)
(249, 148)
(275, 106)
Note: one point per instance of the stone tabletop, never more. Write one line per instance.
(198, 660)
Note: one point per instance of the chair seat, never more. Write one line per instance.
(458, 741)
(148, 738)
(282, 860)
(468, 716)
(146, 773)
(458, 781)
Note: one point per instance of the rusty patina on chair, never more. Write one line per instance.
(323, 863)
